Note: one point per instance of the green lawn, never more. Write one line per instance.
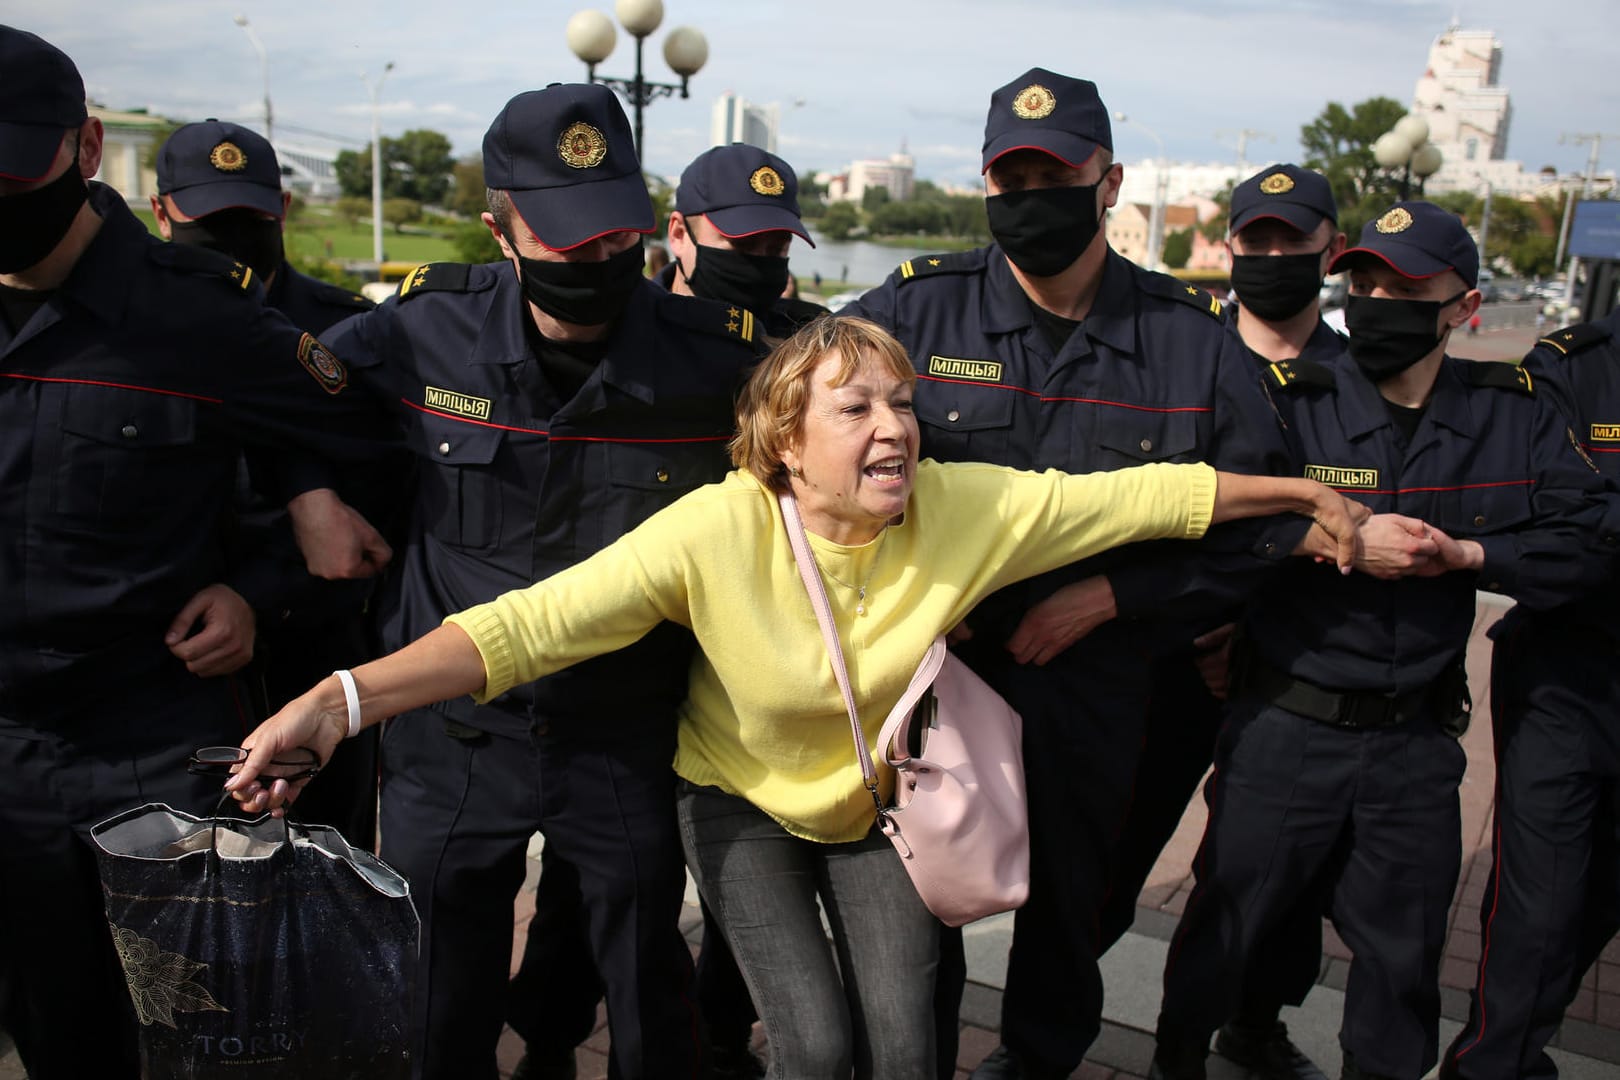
(308, 236)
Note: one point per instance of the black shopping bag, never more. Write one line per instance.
(258, 948)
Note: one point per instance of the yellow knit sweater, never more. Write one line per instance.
(764, 718)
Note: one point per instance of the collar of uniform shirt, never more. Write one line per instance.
(1111, 320)
(102, 278)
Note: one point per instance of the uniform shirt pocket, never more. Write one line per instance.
(119, 448)
(461, 488)
(966, 424)
(643, 478)
(1139, 436)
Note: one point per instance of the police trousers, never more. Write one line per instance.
(1299, 808)
(458, 808)
(63, 998)
(1553, 898)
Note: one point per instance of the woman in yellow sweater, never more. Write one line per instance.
(773, 813)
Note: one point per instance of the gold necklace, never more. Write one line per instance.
(859, 590)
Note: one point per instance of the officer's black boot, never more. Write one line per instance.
(1177, 1060)
(546, 1064)
(1352, 1071)
(1265, 1049)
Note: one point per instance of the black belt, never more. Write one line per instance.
(1351, 709)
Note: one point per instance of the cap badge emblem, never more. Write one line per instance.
(767, 181)
(1034, 102)
(1397, 220)
(1277, 184)
(582, 146)
(227, 157)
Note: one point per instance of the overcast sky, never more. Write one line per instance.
(870, 74)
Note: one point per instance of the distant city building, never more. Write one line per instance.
(1130, 223)
(310, 171)
(1467, 111)
(1184, 182)
(736, 120)
(129, 150)
(897, 175)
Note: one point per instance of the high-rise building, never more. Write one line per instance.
(897, 175)
(1468, 113)
(736, 119)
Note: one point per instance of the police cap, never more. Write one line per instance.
(217, 166)
(1300, 197)
(566, 157)
(1042, 110)
(41, 98)
(743, 190)
(1417, 240)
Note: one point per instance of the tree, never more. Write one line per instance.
(417, 166)
(354, 172)
(1178, 248)
(874, 197)
(467, 187)
(1338, 144)
(840, 220)
(475, 244)
(401, 212)
(351, 209)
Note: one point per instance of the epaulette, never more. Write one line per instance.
(1572, 339)
(712, 317)
(1503, 376)
(949, 262)
(436, 277)
(1171, 289)
(191, 259)
(1298, 373)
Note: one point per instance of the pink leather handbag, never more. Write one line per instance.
(959, 820)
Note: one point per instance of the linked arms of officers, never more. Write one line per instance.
(1074, 611)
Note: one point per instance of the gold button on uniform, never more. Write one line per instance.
(1479, 519)
(663, 476)
(1147, 444)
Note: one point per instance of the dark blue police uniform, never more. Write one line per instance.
(1339, 759)
(1149, 375)
(1553, 901)
(124, 403)
(518, 481)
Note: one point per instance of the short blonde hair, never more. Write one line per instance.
(770, 411)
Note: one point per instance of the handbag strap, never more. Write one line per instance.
(829, 634)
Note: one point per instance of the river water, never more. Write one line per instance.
(851, 261)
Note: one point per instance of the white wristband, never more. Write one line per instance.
(351, 697)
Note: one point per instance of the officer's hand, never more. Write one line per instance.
(1332, 536)
(1213, 658)
(1454, 554)
(1062, 619)
(223, 641)
(311, 720)
(959, 633)
(1394, 546)
(337, 542)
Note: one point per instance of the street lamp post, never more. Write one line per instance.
(264, 68)
(1161, 192)
(376, 162)
(591, 36)
(1406, 147)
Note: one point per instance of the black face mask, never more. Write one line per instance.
(1389, 336)
(1277, 287)
(1043, 230)
(583, 293)
(245, 235)
(754, 282)
(33, 223)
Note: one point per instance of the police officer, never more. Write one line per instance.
(1048, 350)
(219, 187)
(556, 398)
(1554, 897)
(736, 214)
(1282, 236)
(1339, 760)
(120, 431)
